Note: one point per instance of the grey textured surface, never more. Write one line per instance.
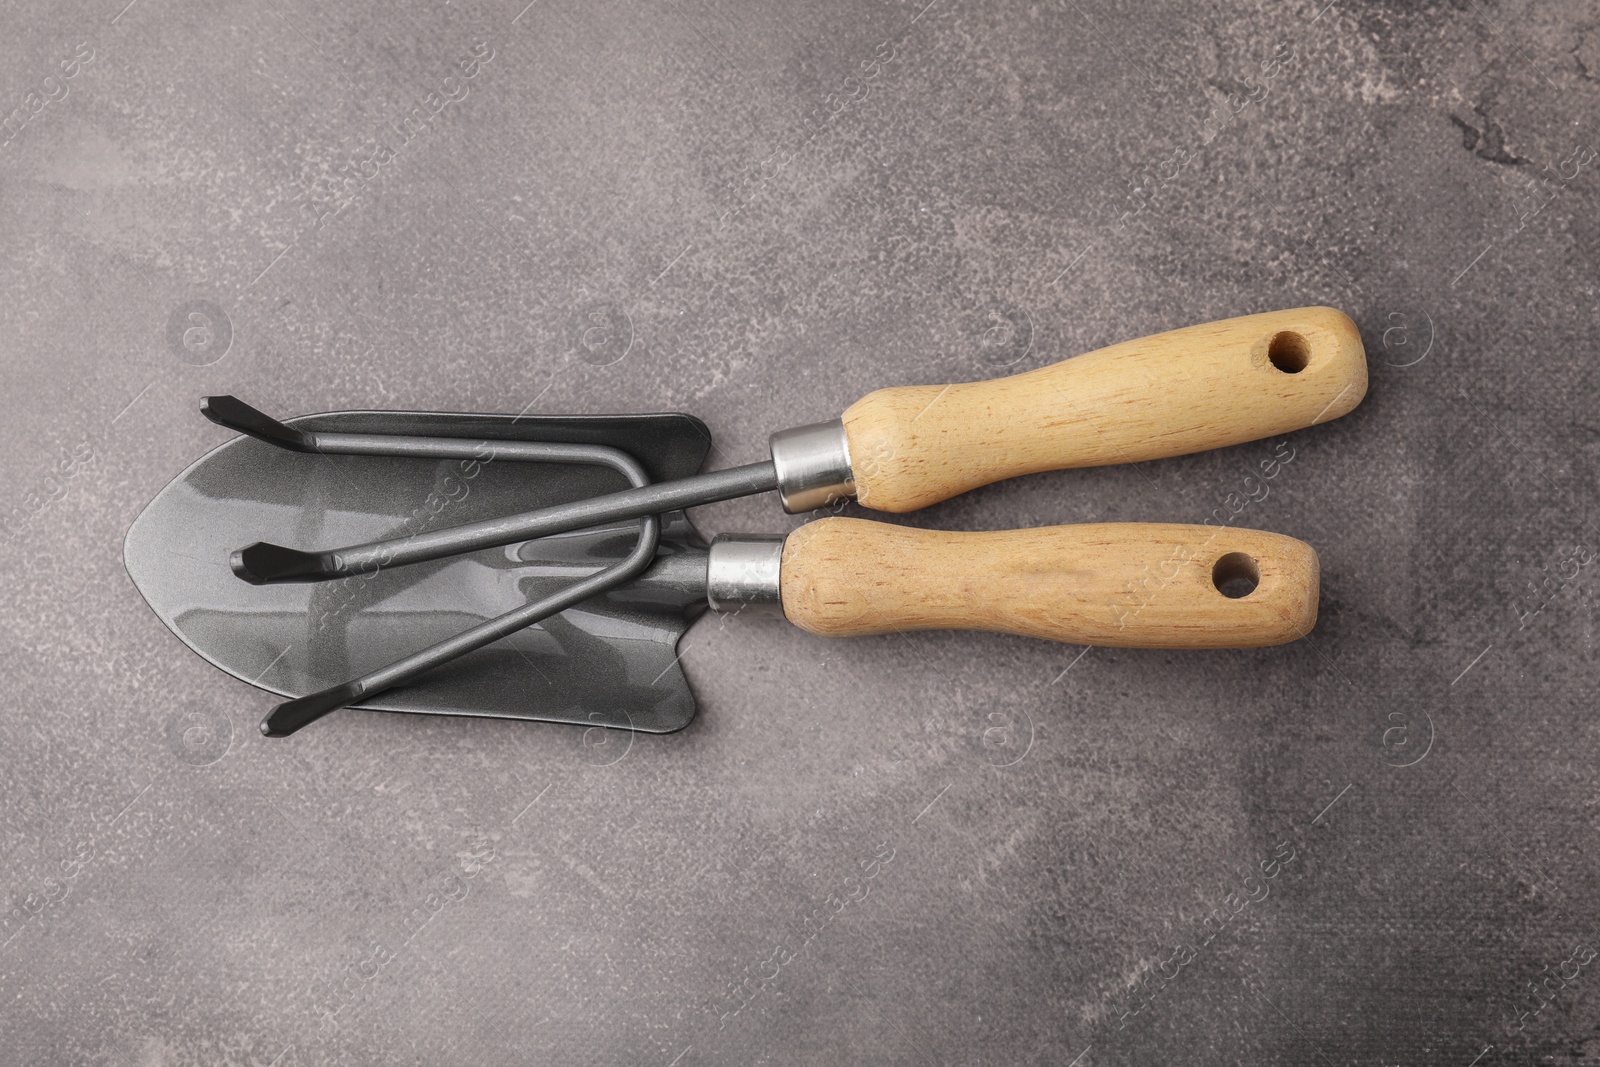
(758, 212)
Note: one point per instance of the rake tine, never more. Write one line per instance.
(292, 715)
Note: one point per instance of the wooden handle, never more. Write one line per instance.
(1138, 585)
(1169, 394)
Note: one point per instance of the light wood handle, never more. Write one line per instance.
(1188, 390)
(1138, 585)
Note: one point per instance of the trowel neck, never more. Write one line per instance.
(742, 574)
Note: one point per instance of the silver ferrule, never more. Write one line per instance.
(742, 574)
(813, 464)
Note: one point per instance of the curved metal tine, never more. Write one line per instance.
(264, 562)
(291, 715)
(235, 414)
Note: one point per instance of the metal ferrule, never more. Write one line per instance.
(742, 574)
(813, 464)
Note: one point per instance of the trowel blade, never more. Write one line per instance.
(611, 661)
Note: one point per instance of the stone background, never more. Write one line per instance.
(766, 210)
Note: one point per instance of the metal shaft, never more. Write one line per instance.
(263, 562)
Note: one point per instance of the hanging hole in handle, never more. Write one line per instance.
(1289, 352)
(1235, 575)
